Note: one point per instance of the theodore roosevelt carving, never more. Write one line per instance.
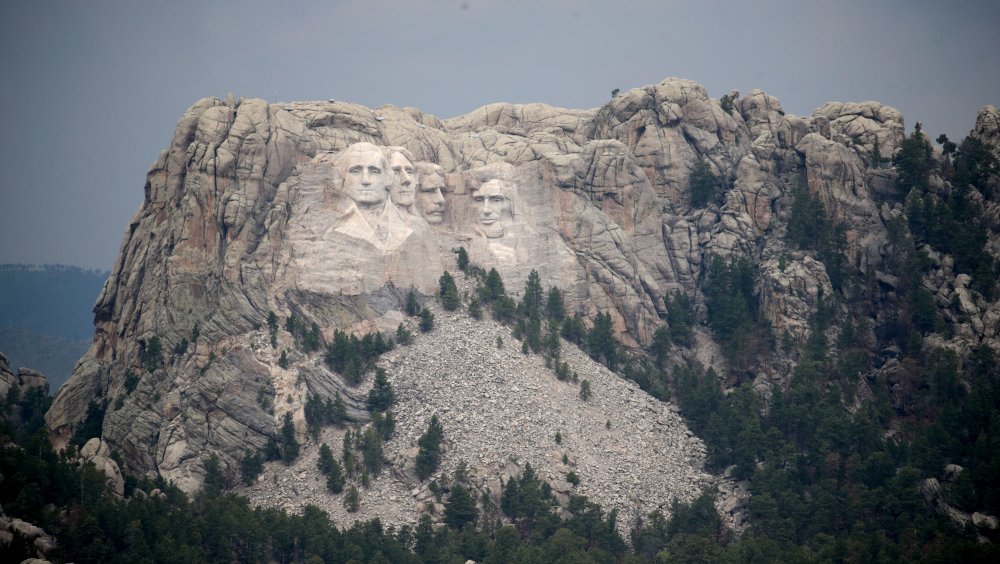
(430, 199)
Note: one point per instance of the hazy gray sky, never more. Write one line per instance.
(92, 90)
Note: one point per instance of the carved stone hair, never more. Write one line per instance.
(357, 149)
(393, 149)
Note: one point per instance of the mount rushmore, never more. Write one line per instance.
(332, 212)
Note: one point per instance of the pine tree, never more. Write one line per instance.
(315, 414)
(450, 299)
(460, 508)
(347, 454)
(660, 345)
(214, 479)
(352, 500)
(289, 444)
(463, 258)
(429, 454)
(335, 478)
(702, 183)
(381, 397)
(601, 340)
(251, 466)
(493, 289)
(426, 320)
(272, 328)
(338, 411)
(531, 303)
(403, 335)
(326, 460)
(726, 102)
(311, 338)
(475, 309)
(152, 354)
(680, 317)
(372, 452)
(554, 307)
(272, 451)
(412, 306)
(385, 424)
(913, 163)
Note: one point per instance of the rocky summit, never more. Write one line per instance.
(329, 213)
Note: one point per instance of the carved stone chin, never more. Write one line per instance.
(492, 230)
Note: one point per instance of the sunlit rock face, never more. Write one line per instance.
(332, 212)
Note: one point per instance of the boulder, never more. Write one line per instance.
(98, 453)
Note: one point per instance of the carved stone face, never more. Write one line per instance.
(403, 189)
(495, 208)
(366, 176)
(430, 200)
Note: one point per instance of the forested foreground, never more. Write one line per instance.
(826, 487)
(158, 523)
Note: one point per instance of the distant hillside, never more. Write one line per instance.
(54, 300)
(51, 355)
(46, 317)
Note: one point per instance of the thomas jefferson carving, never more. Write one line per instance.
(402, 191)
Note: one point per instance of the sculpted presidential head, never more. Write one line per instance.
(403, 189)
(494, 202)
(365, 173)
(430, 196)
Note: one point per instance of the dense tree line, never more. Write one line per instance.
(734, 313)
(353, 357)
(810, 227)
(952, 222)
(91, 526)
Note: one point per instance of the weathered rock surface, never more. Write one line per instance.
(934, 492)
(864, 123)
(97, 452)
(20, 384)
(44, 544)
(987, 128)
(24, 379)
(500, 410)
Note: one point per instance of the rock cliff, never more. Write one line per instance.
(331, 212)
